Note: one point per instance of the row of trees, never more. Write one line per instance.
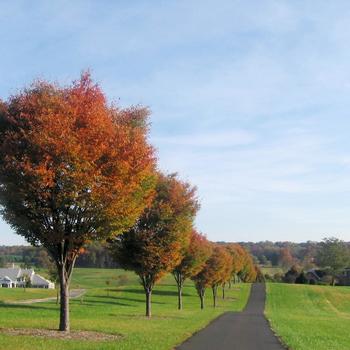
(75, 169)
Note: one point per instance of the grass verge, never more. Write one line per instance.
(310, 317)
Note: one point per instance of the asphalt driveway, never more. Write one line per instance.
(246, 330)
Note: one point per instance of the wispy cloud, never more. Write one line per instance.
(249, 99)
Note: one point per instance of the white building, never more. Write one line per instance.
(16, 277)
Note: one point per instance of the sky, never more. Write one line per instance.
(250, 99)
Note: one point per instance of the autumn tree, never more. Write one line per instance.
(238, 257)
(202, 280)
(248, 272)
(194, 257)
(219, 268)
(286, 259)
(226, 273)
(154, 245)
(73, 169)
(213, 273)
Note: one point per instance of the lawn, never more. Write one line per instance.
(310, 317)
(15, 294)
(119, 310)
(271, 270)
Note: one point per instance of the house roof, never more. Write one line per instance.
(314, 273)
(6, 279)
(12, 273)
(39, 280)
(27, 272)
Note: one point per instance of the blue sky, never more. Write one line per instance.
(249, 99)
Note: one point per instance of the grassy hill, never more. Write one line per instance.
(118, 310)
(310, 317)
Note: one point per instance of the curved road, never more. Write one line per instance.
(247, 330)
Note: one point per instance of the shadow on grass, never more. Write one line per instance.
(142, 316)
(111, 303)
(26, 306)
(125, 299)
(155, 292)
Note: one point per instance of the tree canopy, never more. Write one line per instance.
(333, 253)
(154, 245)
(194, 257)
(72, 169)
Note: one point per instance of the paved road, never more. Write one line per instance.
(247, 330)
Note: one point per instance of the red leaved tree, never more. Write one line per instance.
(194, 258)
(154, 245)
(72, 169)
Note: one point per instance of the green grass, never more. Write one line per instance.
(15, 294)
(310, 317)
(270, 270)
(120, 312)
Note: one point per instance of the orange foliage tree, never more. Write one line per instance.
(154, 245)
(238, 258)
(194, 258)
(219, 268)
(248, 272)
(286, 259)
(214, 272)
(72, 169)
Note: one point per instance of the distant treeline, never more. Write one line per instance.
(284, 254)
(266, 253)
(95, 255)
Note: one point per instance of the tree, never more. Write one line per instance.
(73, 169)
(291, 275)
(193, 260)
(154, 245)
(286, 259)
(221, 265)
(238, 257)
(2, 261)
(334, 254)
(301, 279)
(27, 282)
(213, 273)
(248, 272)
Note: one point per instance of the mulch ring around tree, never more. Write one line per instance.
(55, 334)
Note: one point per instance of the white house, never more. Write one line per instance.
(16, 277)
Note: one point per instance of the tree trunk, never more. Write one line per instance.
(57, 295)
(179, 297)
(223, 291)
(147, 282)
(201, 296)
(64, 301)
(65, 268)
(214, 288)
(229, 283)
(148, 303)
(179, 279)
